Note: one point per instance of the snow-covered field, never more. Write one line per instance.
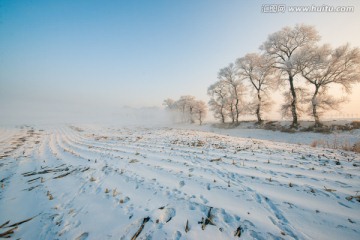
(93, 182)
(247, 130)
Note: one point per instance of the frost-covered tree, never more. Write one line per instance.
(236, 89)
(200, 111)
(258, 70)
(169, 104)
(323, 67)
(185, 109)
(186, 105)
(282, 46)
(219, 98)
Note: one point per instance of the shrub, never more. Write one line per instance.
(316, 143)
(307, 129)
(346, 146)
(355, 124)
(356, 147)
(288, 130)
(335, 143)
(271, 125)
(323, 129)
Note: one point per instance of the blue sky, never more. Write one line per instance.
(71, 55)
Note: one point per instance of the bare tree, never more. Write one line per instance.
(173, 109)
(282, 46)
(200, 111)
(229, 76)
(258, 70)
(219, 98)
(186, 109)
(169, 103)
(231, 109)
(322, 67)
(186, 105)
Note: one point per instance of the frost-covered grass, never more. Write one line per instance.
(96, 182)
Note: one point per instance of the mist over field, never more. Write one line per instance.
(43, 113)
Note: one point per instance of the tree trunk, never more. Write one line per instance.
(293, 102)
(314, 106)
(258, 108)
(191, 115)
(237, 110)
(222, 114)
(236, 103)
(183, 114)
(232, 113)
(222, 109)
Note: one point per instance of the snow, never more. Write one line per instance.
(109, 182)
(247, 130)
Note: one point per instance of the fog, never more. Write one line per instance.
(56, 113)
